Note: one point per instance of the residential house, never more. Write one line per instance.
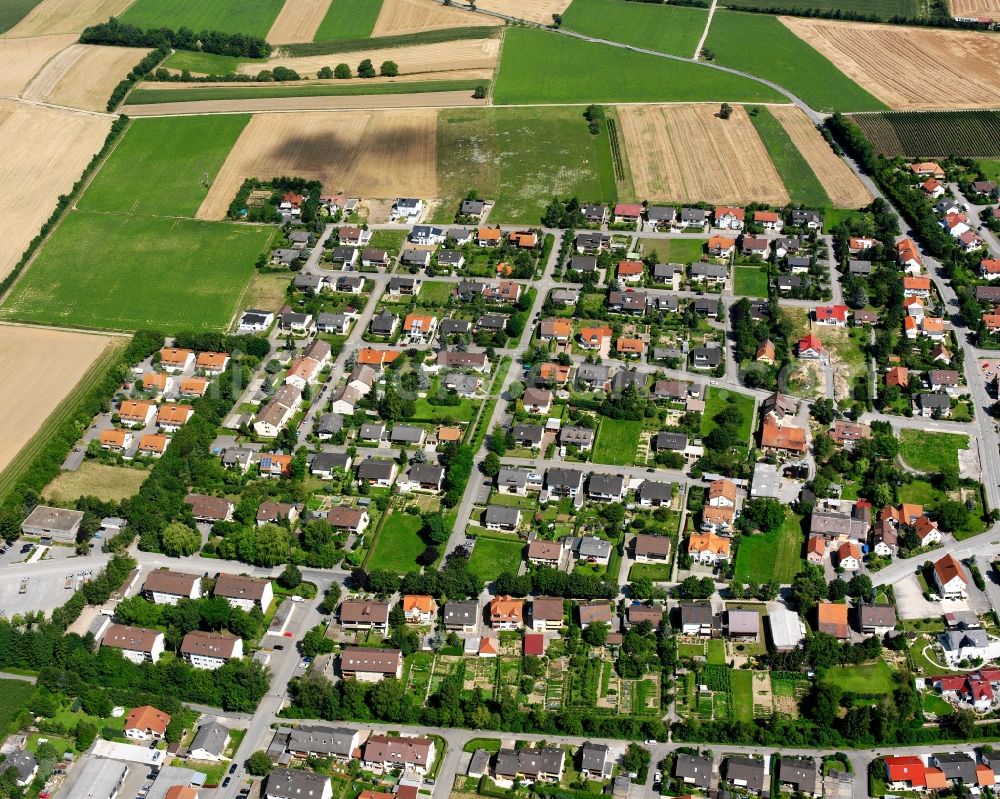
(135, 643)
(708, 548)
(462, 617)
(370, 665)
(506, 613)
(245, 593)
(949, 577)
(502, 517)
(165, 587)
(419, 609)
(693, 770)
(343, 517)
(652, 494)
(832, 619)
(146, 723)
(207, 650)
(546, 613)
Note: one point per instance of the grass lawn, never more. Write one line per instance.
(207, 63)
(800, 180)
(717, 400)
(522, 157)
(425, 412)
(750, 281)
(538, 66)
(617, 442)
(886, 9)
(781, 56)
(489, 744)
(771, 556)
(252, 17)
(923, 493)
(658, 572)
(870, 678)
(268, 291)
(931, 452)
(16, 694)
(742, 683)
(935, 704)
(348, 19)
(398, 544)
(991, 168)
(131, 272)
(651, 26)
(435, 291)
(107, 483)
(491, 557)
(13, 11)
(160, 165)
(715, 652)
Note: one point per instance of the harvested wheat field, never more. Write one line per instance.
(415, 60)
(975, 8)
(680, 153)
(539, 11)
(297, 21)
(413, 16)
(376, 154)
(66, 16)
(910, 68)
(46, 149)
(83, 76)
(22, 59)
(45, 365)
(840, 183)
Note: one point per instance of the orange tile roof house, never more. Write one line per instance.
(146, 722)
(631, 271)
(193, 387)
(782, 437)
(832, 619)
(765, 352)
(810, 346)
(907, 254)
(525, 239)
(176, 360)
(115, 440)
(376, 358)
(717, 518)
(488, 236)
(136, 413)
(722, 493)
(213, 363)
(419, 609)
(721, 246)
(950, 578)
(157, 380)
(729, 217)
(557, 329)
(898, 376)
(171, 416)
(630, 346)
(593, 337)
(555, 372)
(420, 326)
(153, 444)
(924, 168)
(506, 613)
(708, 547)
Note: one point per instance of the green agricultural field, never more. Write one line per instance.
(886, 9)
(652, 26)
(617, 442)
(258, 91)
(522, 157)
(16, 694)
(800, 180)
(398, 544)
(252, 17)
(717, 400)
(742, 682)
(931, 452)
(777, 556)
(207, 63)
(13, 11)
(933, 134)
(164, 166)
(871, 678)
(491, 557)
(750, 281)
(131, 272)
(538, 66)
(991, 169)
(348, 19)
(779, 55)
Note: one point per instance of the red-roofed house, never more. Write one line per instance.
(989, 268)
(835, 315)
(630, 271)
(769, 220)
(905, 772)
(950, 578)
(916, 286)
(534, 644)
(810, 347)
(627, 213)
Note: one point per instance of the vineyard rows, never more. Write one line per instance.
(933, 134)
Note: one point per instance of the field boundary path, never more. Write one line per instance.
(704, 33)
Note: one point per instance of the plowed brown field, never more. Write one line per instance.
(377, 154)
(42, 154)
(83, 76)
(684, 153)
(910, 68)
(841, 184)
(417, 59)
(66, 16)
(412, 16)
(22, 59)
(45, 365)
(298, 21)
(540, 11)
(975, 8)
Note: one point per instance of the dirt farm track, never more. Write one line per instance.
(45, 365)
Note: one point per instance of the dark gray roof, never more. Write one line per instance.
(343, 254)
(472, 207)
(798, 261)
(371, 432)
(798, 771)
(934, 400)
(673, 441)
(747, 770)
(426, 473)
(22, 762)
(322, 740)
(583, 263)
(450, 257)
(877, 615)
(564, 478)
(703, 269)
(284, 783)
(327, 461)
(606, 485)
(211, 737)
(502, 514)
(707, 305)
(574, 435)
(593, 756)
(528, 432)
(512, 477)
(857, 267)
(695, 768)
(453, 326)
(592, 372)
(710, 355)
(529, 762)
(957, 766)
(590, 546)
(658, 213)
(461, 612)
(371, 469)
(693, 215)
(653, 490)
(407, 434)
(384, 323)
(696, 613)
